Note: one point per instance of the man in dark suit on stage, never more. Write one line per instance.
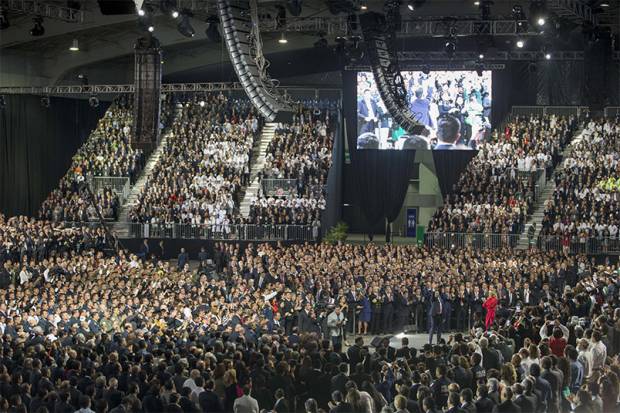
(367, 113)
(420, 107)
(435, 316)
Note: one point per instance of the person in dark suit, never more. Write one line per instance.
(521, 400)
(182, 259)
(420, 107)
(507, 405)
(454, 403)
(484, 404)
(144, 250)
(339, 380)
(435, 313)
(448, 132)
(208, 400)
(542, 386)
(338, 405)
(281, 405)
(367, 113)
(467, 401)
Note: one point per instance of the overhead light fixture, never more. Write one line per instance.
(93, 101)
(363, 6)
(548, 56)
(476, 3)
(520, 43)
(174, 14)
(282, 39)
(38, 29)
(604, 4)
(185, 27)
(213, 31)
(411, 6)
(75, 46)
(202, 103)
(541, 21)
(481, 56)
(151, 29)
(4, 19)
(83, 79)
(141, 12)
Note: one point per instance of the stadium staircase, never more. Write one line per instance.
(256, 167)
(546, 194)
(121, 227)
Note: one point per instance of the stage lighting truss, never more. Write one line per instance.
(46, 10)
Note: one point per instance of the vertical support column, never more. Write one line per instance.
(147, 81)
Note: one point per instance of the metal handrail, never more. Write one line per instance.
(276, 187)
(611, 111)
(579, 245)
(119, 184)
(234, 232)
(451, 240)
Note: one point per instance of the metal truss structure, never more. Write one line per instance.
(492, 56)
(46, 10)
(117, 89)
(433, 66)
(575, 10)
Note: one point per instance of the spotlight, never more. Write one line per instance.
(151, 29)
(541, 21)
(363, 6)
(184, 27)
(174, 14)
(93, 101)
(141, 12)
(4, 19)
(38, 29)
(45, 101)
(2, 102)
(83, 79)
(476, 3)
(321, 43)
(282, 39)
(481, 56)
(479, 67)
(213, 31)
(450, 48)
(202, 103)
(294, 7)
(75, 46)
(520, 43)
(411, 6)
(548, 56)
(604, 4)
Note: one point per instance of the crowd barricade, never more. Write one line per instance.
(281, 188)
(450, 240)
(611, 111)
(549, 110)
(119, 184)
(233, 232)
(579, 245)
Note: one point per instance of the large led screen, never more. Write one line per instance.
(455, 107)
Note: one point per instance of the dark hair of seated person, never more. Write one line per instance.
(414, 142)
(367, 140)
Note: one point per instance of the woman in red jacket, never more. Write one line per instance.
(490, 305)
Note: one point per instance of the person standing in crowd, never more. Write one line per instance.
(335, 324)
(490, 305)
(367, 113)
(435, 315)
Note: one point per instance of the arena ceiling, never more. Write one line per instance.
(107, 40)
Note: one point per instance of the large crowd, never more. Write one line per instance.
(300, 151)
(264, 327)
(204, 164)
(496, 191)
(107, 152)
(586, 198)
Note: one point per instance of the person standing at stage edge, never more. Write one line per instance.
(435, 317)
(335, 322)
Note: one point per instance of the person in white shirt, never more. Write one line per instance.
(246, 403)
(598, 350)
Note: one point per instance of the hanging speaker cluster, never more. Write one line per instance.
(241, 35)
(381, 52)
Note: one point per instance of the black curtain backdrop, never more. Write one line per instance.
(382, 177)
(333, 210)
(449, 165)
(36, 147)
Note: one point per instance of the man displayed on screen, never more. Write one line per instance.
(421, 107)
(448, 133)
(367, 113)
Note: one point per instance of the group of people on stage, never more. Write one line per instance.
(460, 95)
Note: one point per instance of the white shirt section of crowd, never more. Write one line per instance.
(300, 151)
(492, 196)
(585, 202)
